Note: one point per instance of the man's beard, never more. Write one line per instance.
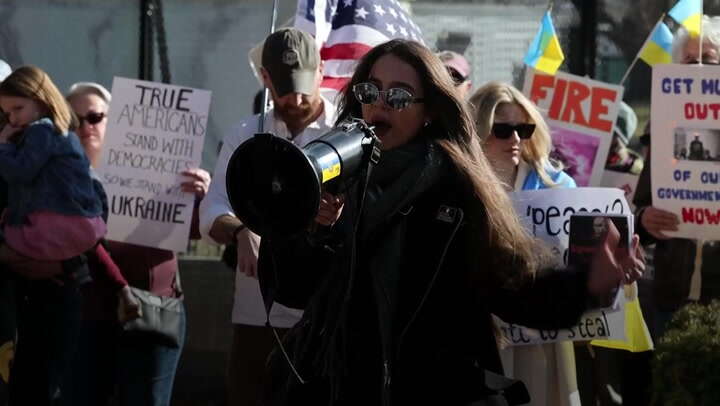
(295, 113)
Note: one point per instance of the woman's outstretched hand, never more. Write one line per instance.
(614, 264)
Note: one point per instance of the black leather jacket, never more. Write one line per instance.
(419, 329)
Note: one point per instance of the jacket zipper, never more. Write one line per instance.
(387, 371)
(387, 380)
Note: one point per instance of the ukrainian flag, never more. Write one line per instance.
(545, 53)
(658, 46)
(637, 334)
(689, 14)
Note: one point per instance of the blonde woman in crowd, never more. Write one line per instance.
(516, 141)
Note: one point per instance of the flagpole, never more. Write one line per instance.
(266, 91)
(702, 6)
(637, 56)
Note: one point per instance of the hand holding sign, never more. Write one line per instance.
(655, 221)
(613, 264)
(198, 184)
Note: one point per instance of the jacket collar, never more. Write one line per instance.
(418, 177)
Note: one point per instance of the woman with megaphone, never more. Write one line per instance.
(398, 300)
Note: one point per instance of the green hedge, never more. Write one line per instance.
(686, 369)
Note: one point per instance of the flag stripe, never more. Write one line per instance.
(662, 37)
(653, 54)
(344, 51)
(340, 67)
(330, 82)
(351, 33)
(549, 65)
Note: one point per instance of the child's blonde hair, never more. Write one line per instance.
(33, 83)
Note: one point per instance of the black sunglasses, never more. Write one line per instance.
(456, 76)
(505, 130)
(91, 117)
(396, 98)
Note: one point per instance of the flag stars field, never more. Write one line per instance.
(351, 30)
(361, 13)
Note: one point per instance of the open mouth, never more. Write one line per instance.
(381, 128)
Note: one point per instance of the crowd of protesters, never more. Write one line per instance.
(396, 305)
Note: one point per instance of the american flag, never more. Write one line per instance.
(347, 29)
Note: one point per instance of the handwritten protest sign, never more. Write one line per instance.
(685, 148)
(155, 132)
(546, 213)
(581, 113)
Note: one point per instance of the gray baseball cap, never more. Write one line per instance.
(291, 58)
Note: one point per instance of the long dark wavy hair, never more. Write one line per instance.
(452, 128)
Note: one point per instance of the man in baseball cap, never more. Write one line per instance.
(292, 70)
(459, 69)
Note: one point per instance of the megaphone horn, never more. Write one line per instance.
(275, 187)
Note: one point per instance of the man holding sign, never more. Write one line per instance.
(292, 71)
(676, 205)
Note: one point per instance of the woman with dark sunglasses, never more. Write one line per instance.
(516, 141)
(398, 298)
(90, 102)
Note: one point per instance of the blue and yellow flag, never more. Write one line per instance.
(658, 47)
(637, 334)
(545, 53)
(689, 14)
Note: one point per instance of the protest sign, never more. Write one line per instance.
(627, 182)
(546, 214)
(154, 133)
(685, 147)
(581, 113)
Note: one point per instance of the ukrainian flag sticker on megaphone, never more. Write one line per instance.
(330, 165)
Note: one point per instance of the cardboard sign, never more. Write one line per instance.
(546, 213)
(581, 113)
(685, 147)
(154, 133)
(627, 182)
